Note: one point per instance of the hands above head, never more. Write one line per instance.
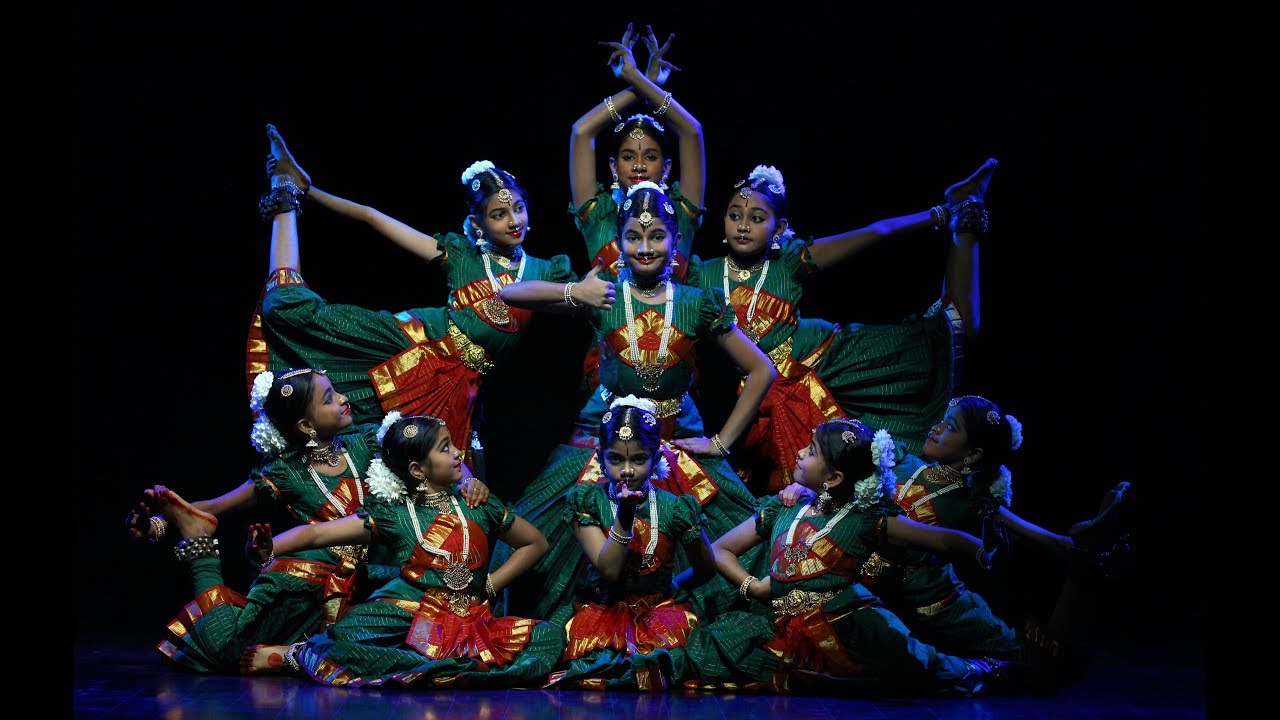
(259, 547)
(658, 69)
(474, 491)
(973, 187)
(793, 493)
(622, 59)
(594, 290)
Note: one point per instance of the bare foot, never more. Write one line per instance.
(974, 186)
(260, 659)
(281, 163)
(189, 521)
(1099, 531)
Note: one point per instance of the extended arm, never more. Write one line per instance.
(349, 530)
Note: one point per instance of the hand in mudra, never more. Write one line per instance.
(658, 69)
(623, 58)
(974, 186)
(259, 546)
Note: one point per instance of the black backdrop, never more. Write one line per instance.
(1091, 284)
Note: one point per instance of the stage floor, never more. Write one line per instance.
(129, 679)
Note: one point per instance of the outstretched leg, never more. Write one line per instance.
(281, 163)
(189, 521)
(974, 186)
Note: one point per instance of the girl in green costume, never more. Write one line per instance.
(646, 343)
(420, 361)
(316, 465)
(431, 626)
(894, 376)
(627, 626)
(829, 632)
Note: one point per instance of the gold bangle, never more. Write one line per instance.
(488, 587)
(613, 113)
(746, 584)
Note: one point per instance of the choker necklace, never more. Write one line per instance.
(946, 473)
(437, 500)
(744, 274)
(505, 261)
(330, 454)
(747, 328)
(649, 292)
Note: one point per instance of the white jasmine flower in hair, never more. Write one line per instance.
(383, 484)
(387, 422)
(770, 175)
(1002, 488)
(882, 449)
(1015, 429)
(643, 184)
(266, 438)
(476, 168)
(869, 491)
(662, 468)
(261, 388)
(635, 402)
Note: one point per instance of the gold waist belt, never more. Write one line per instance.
(354, 553)
(799, 602)
(782, 353)
(473, 356)
(459, 602)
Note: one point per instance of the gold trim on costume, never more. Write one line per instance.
(799, 602)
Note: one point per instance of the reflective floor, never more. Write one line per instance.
(128, 678)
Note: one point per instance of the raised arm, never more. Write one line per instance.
(418, 243)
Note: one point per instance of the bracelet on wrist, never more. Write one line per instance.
(271, 557)
(619, 538)
(568, 293)
(715, 440)
(746, 585)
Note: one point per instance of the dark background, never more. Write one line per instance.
(1092, 290)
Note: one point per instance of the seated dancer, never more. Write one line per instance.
(830, 632)
(895, 376)
(647, 349)
(961, 482)
(423, 360)
(431, 626)
(315, 466)
(627, 626)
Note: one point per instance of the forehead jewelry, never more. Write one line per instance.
(410, 431)
(646, 218)
(637, 133)
(624, 432)
(607, 417)
(504, 195)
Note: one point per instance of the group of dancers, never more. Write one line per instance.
(644, 555)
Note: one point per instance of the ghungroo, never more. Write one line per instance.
(282, 198)
(193, 548)
(970, 216)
